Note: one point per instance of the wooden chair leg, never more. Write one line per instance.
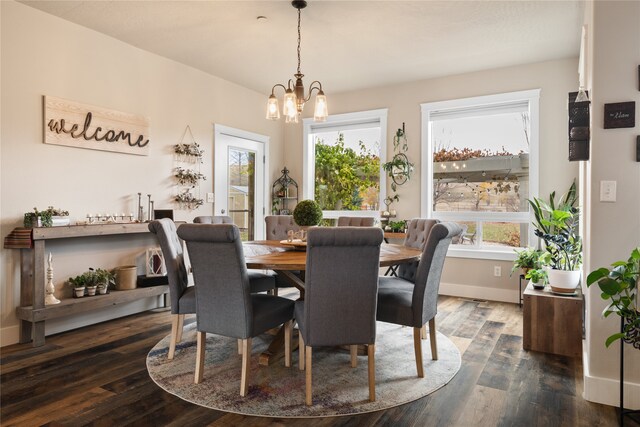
(371, 351)
(300, 351)
(180, 327)
(423, 332)
(246, 363)
(417, 344)
(175, 321)
(201, 339)
(354, 355)
(239, 346)
(308, 399)
(432, 338)
(288, 327)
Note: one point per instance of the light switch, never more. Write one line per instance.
(607, 191)
(210, 198)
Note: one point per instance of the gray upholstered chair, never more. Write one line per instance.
(216, 219)
(224, 303)
(354, 221)
(418, 231)
(278, 225)
(260, 282)
(340, 294)
(183, 298)
(412, 298)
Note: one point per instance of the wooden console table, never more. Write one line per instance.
(552, 323)
(32, 311)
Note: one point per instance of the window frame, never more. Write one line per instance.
(532, 96)
(308, 154)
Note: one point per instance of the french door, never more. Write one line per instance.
(239, 173)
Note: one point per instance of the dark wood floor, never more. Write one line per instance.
(97, 376)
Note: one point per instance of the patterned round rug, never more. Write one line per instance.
(276, 391)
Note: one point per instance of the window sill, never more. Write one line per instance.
(486, 253)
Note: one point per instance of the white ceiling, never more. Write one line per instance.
(345, 44)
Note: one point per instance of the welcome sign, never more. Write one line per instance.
(74, 124)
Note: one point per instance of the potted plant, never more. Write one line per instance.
(105, 279)
(538, 277)
(79, 284)
(47, 218)
(619, 285)
(307, 213)
(557, 226)
(526, 259)
(398, 226)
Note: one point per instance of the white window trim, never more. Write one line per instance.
(426, 211)
(308, 152)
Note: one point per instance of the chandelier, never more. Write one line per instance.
(294, 97)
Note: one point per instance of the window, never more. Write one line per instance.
(342, 163)
(479, 157)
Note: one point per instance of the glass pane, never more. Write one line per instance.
(481, 163)
(505, 234)
(347, 168)
(468, 236)
(241, 190)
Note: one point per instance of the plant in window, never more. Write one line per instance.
(307, 213)
(188, 176)
(399, 168)
(344, 177)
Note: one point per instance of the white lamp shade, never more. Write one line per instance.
(320, 112)
(273, 110)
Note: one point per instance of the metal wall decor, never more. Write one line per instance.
(620, 115)
(284, 194)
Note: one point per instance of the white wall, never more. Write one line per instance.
(613, 228)
(467, 277)
(45, 55)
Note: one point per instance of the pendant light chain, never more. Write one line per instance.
(299, 38)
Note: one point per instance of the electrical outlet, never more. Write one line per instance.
(497, 271)
(210, 197)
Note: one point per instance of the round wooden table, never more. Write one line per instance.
(273, 255)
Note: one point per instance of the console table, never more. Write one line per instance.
(32, 311)
(552, 323)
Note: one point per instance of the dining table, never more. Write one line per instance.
(289, 260)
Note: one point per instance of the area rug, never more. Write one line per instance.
(276, 391)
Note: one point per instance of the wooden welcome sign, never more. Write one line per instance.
(86, 126)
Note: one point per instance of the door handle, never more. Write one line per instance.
(222, 211)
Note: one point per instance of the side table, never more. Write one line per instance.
(552, 323)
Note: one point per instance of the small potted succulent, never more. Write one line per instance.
(79, 284)
(46, 218)
(307, 213)
(104, 279)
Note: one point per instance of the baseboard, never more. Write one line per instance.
(9, 335)
(607, 391)
(479, 292)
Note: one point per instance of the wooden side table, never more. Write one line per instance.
(552, 323)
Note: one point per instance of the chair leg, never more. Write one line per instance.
(308, 399)
(371, 351)
(175, 321)
(432, 338)
(246, 362)
(288, 326)
(423, 332)
(201, 339)
(417, 344)
(180, 327)
(239, 346)
(300, 351)
(354, 355)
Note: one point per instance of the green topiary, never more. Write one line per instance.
(307, 213)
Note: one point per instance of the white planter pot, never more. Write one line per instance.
(79, 292)
(564, 281)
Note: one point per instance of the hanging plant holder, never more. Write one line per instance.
(188, 151)
(399, 168)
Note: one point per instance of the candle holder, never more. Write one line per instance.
(49, 288)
